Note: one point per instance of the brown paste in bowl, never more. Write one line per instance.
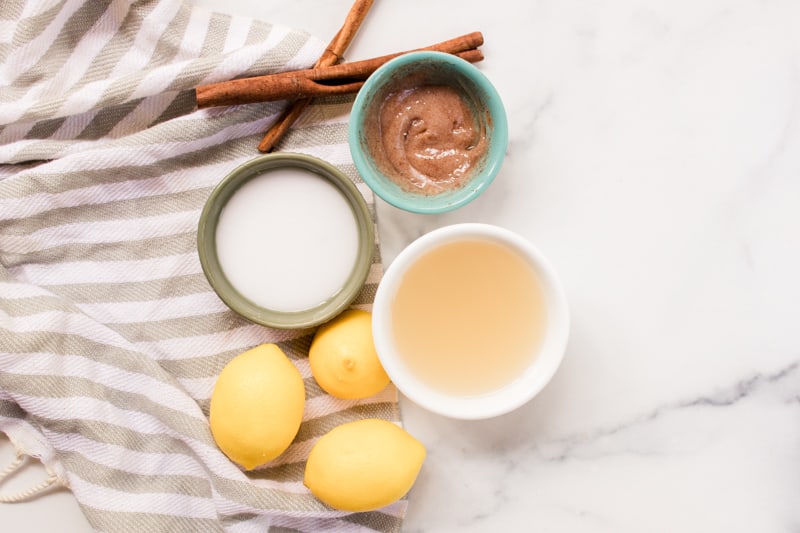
(428, 139)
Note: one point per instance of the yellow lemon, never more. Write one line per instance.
(257, 406)
(363, 465)
(343, 358)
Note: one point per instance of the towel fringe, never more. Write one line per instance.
(13, 467)
(25, 495)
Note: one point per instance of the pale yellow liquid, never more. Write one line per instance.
(469, 317)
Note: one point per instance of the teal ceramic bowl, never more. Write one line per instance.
(208, 248)
(416, 69)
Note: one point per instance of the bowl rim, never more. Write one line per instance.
(419, 203)
(206, 242)
(514, 394)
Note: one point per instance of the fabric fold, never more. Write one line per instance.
(110, 336)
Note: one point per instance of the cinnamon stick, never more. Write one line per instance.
(473, 56)
(343, 38)
(336, 79)
(333, 54)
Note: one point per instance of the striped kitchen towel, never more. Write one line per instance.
(110, 336)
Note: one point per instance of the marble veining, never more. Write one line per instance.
(702, 430)
(654, 157)
(782, 387)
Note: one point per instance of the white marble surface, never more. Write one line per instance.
(654, 157)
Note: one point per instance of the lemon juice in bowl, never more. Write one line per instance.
(469, 316)
(470, 321)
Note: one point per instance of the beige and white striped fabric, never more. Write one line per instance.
(110, 337)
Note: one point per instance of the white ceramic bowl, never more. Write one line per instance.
(514, 394)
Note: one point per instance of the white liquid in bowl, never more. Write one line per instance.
(287, 240)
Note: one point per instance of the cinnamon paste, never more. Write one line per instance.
(428, 139)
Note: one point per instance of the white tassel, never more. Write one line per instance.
(26, 494)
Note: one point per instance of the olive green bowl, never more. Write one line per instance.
(207, 246)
